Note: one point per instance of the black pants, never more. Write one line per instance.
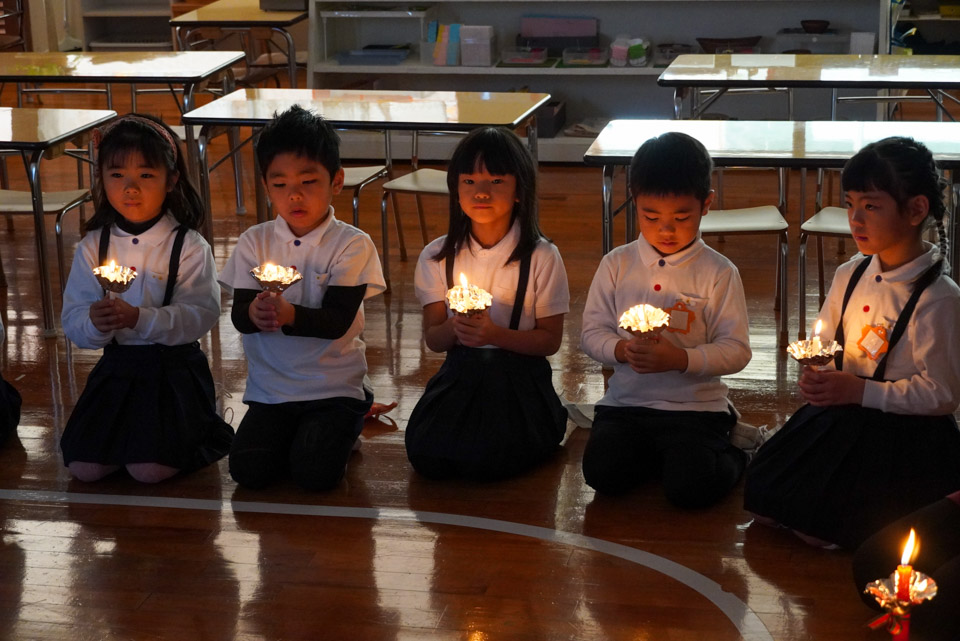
(689, 451)
(938, 529)
(310, 439)
(10, 402)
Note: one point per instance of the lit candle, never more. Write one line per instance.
(905, 570)
(644, 320)
(817, 346)
(275, 278)
(812, 352)
(114, 277)
(468, 299)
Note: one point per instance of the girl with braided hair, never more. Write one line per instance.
(877, 438)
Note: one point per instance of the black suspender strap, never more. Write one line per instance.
(104, 244)
(174, 264)
(925, 280)
(521, 291)
(521, 287)
(854, 279)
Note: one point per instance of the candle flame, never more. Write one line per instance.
(816, 330)
(908, 549)
(463, 279)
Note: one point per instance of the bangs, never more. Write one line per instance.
(491, 151)
(870, 172)
(117, 148)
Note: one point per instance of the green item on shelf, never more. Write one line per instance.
(637, 51)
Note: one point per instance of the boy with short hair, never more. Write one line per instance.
(666, 413)
(305, 383)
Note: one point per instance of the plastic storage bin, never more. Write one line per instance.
(477, 46)
(585, 57)
(523, 56)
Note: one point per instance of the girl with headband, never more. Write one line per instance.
(148, 405)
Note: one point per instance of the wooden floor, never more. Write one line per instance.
(389, 555)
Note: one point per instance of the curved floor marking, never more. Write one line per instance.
(750, 626)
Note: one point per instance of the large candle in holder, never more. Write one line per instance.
(644, 321)
(812, 352)
(467, 299)
(899, 593)
(114, 278)
(275, 278)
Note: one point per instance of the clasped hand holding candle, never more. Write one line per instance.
(645, 352)
(270, 311)
(109, 313)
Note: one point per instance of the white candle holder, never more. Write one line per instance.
(644, 321)
(275, 278)
(114, 278)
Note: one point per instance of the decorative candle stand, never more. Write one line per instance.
(645, 321)
(275, 278)
(114, 278)
(899, 593)
(468, 300)
(812, 352)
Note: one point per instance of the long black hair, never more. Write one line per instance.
(501, 153)
(903, 168)
(140, 133)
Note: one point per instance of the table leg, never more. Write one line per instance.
(263, 207)
(677, 104)
(203, 181)
(291, 56)
(607, 192)
(952, 225)
(33, 177)
(193, 165)
(532, 142)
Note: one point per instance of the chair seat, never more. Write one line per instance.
(748, 220)
(421, 181)
(828, 221)
(353, 176)
(21, 202)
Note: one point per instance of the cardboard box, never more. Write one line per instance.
(283, 5)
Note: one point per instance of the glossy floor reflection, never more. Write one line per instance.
(82, 570)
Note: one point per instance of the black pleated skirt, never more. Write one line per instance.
(841, 473)
(148, 404)
(486, 414)
(10, 402)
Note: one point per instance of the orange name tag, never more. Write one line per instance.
(681, 318)
(873, 341)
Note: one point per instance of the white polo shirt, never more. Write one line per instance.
(283, 368)
(923, 370)
(547, 292)
(715, 334)
(191, 313)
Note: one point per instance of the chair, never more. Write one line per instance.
(827, 222)
(767, 219)
(419, 182)
(54, 203)
(12, 15)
